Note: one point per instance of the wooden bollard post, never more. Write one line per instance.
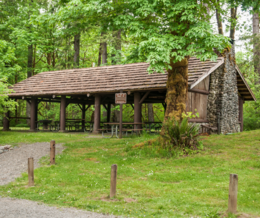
(113, 180)
(52, 152)
(232, 198)
(30, 171)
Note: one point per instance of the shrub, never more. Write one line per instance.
(181, 135)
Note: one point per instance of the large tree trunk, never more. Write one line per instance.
(256, 46)
(77, 50)
(219, 21)
(233, 12)
(177, 89)
(150, 113)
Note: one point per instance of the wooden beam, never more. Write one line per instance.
(20, 117)
(245, 93)
(198, 121)
(144, 97)
(105, 106)
(88, 107)
(203, 92)
(80, 107)
(164, 105)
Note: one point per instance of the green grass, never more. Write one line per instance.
(190, 186)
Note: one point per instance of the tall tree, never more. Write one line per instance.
(256, 44)
(219, 19)
(76, 50)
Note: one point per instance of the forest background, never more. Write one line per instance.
(51, 35)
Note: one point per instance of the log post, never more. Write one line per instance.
(30, 172)
(113, 180)
(232, 198)
(33, 114)
(137, 109)
(52, 152)
(108, 112)
(97, 114)
(83, 116)
(63, 113)
(241, 103)
(6, 121)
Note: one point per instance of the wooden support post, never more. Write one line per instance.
(113, 180)
(97, 114)
(108, 112)
(137, 109)
(33, 114)
(6, 121)
(36, 112)
(121, 118)
(52, 152)
(232, 198)
(30, 172)
(63, 113)
(241, 103)
(83, 116)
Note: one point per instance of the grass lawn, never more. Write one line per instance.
(191, 186)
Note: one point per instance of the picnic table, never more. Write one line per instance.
(127, 127)
(156, 126)
(45, 124)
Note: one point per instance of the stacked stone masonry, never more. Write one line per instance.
(223, 99)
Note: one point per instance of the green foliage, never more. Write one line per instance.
(6, 103)
(181, 135)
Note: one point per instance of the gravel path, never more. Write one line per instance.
(15, 208)
(15, 162)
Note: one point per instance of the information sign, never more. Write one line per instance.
(121, 98)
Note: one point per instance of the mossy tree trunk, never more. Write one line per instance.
(177, 89)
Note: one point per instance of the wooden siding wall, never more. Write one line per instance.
(199, 101)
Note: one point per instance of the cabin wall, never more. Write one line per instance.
(199, 101)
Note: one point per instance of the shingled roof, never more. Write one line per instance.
(129, 77)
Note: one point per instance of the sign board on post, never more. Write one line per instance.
(121, 98)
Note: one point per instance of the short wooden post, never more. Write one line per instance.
(30, 171)
(232, 198)
(52, 152)
(113, 180)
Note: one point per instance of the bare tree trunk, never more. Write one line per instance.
(150, 113)
(104, 53)
(233, 12)
(99, 54)
(29, 74)
(117, 46)
(219, 21)
(77, 50)
(256, 44)
(30, 61)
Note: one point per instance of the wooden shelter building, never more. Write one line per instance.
(217, 90)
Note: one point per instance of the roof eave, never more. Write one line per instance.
(208, 73)
(247, 86)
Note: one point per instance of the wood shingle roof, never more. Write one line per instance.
(129, 77)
